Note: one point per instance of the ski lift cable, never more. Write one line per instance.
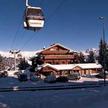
(52, 15)
(28, 41)
(15, 35)
(31, 38)
(57, 8)
(21, 39)
(18, 29)
(41, 2)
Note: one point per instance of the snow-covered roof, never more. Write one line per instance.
(53, 45)
(60, 66)
(71, 66)
(90, 65)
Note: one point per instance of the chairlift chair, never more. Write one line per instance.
(33, 18)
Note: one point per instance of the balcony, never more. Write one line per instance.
(55, 52)
(58, 57)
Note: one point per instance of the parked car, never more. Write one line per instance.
(22, 77)
(62, 79)
(101, 75)
(4, 74)
(74, 76)
(50, 79)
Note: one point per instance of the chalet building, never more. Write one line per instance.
(58, 60)
(66, 69)
(58, 54)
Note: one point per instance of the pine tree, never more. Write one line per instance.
(91, 58)
(76, 58)
(106, 61)
(103, 53)
(81, 58)
(23, 64)
(2, 65)
(38, 60)
(1, 59)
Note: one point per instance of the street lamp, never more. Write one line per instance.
(104, 47)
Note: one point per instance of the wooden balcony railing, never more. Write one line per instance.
(55, 52)
(52, 57)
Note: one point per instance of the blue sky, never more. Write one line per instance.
(73, 23)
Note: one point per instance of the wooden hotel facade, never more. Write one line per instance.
(59, 60)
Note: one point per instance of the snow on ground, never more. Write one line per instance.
(79, 98)
(73, 98)
(12, 81)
